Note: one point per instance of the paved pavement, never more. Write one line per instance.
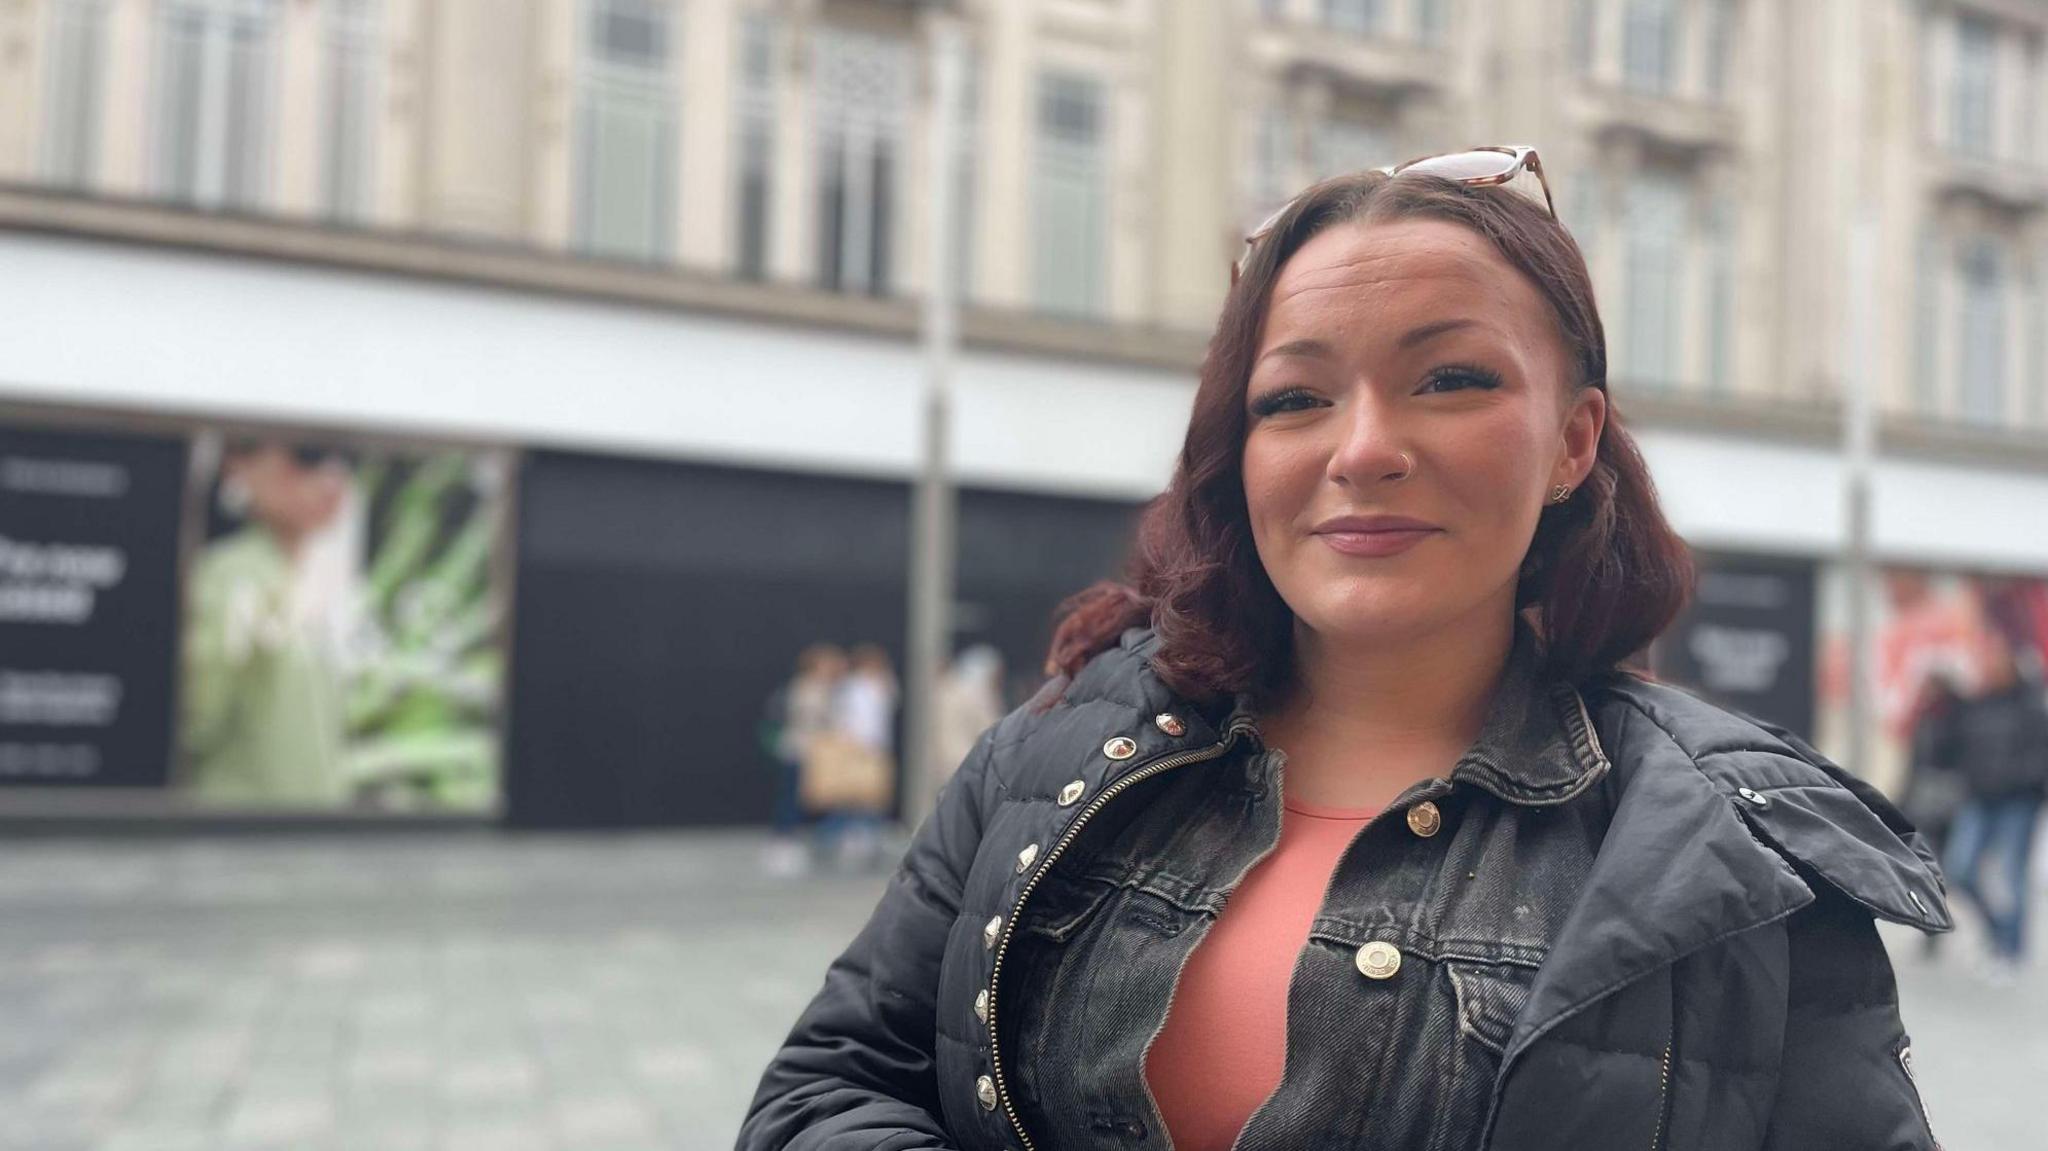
(486, 992)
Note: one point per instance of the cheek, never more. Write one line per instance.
(1279, 481)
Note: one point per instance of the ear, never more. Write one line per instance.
(1579, 442)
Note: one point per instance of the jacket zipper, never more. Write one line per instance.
(1663, 1095)
(1123, 783)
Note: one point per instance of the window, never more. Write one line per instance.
(1072, 239)
(1933, 261)
(626, 131)
(351, 108)
(1581, 208)
(1974, 91)
(2037, 343)
(1344, 146)
(755, 194)
(1720, 18)
(966, 158)
(71, 123)
(1721, 243)
(1980, 270)
(1585, 33)
(1649, 43)
(1361, 17)
(212, 97)
(863, 96)
(1431, 20)
(1657, 207)
(1269, 178)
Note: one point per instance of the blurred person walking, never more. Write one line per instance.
(865, 716)
(799, 714)
(1997, 737)
(1344, 822)
(969, 702)
(1935, 785)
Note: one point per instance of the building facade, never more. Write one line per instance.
(692, 234)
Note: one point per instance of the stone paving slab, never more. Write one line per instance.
(495, 992)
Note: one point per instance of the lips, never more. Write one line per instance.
(1374, 536)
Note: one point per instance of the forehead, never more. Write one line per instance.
(1354, 281)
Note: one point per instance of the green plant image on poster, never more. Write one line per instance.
(422, 706)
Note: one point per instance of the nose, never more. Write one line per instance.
(1370, 450)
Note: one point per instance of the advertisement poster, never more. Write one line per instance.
(1925, 624)
(1746, 640)
(342, 640)
(88, 606)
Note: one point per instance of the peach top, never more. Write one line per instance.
(1224, 1045)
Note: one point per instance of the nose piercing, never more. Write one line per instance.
(1407, 465)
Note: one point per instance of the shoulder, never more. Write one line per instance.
(1062, 729)
(1822, 819)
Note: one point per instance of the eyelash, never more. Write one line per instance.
(1485, 379)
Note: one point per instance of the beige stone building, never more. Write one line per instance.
(1776, 195)
(1716, 157)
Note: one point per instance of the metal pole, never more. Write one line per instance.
(1859, 452)
(932, 546)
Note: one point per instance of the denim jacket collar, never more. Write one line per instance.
(1536, 746)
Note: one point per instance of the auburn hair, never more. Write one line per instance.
(1604, 574)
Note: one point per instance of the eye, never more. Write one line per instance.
(1285, 400)
(1457, 377)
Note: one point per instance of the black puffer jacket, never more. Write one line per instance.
(1626, 919)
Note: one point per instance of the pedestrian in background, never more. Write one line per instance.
(1935, 786)
(1997, 736)
(864, 718)
(803, 711)
(969, 702)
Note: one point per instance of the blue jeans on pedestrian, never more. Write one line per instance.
(2001, 829)
(790, 816)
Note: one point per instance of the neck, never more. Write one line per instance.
(1415, 703)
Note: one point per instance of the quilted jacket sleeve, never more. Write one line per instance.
(858, 1071)
(1847, 1076)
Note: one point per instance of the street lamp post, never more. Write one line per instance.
(934, 512)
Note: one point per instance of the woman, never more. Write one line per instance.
(264, 698)
(1405, 549)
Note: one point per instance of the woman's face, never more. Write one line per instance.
(292, 497)
(1407, 370)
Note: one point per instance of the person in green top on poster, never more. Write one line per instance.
(264, 704)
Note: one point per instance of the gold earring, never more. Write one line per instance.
(1560, 494)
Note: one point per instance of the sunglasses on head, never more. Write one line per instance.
(1474, 168)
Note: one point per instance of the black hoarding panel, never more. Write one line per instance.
(1747, 640)
(88, 606)
(661, 605)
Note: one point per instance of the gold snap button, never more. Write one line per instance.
(1026, 858)
(989, 932)
(1379, 960)
(1424, 819)
(1122, 747)
(1170, 723)
(981, 1005)
(1072, 792)
(985, 1090)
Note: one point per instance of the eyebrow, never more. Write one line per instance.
(1317, 349)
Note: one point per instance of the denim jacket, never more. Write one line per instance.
(1625, 918)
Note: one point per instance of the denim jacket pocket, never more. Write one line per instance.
(1490, 998)
(1063, 905)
